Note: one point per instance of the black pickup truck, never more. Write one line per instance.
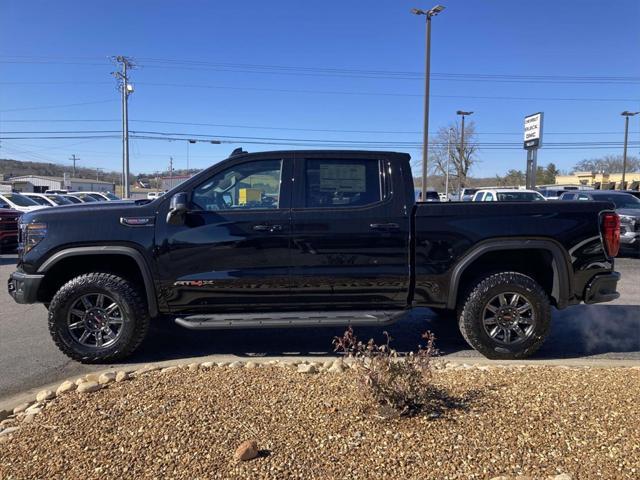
(310, 238)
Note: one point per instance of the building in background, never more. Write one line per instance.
(40, 184)
(169, 182)
(602, 181)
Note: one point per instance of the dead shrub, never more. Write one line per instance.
(402, 382)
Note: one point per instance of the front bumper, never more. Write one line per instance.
(24, 287)
(602, 288)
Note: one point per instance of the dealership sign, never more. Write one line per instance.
(533, 130)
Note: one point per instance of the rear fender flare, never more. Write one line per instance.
(562, 280)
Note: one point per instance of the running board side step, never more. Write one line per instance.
(222, 321)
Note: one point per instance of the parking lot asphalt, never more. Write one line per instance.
(582, 333)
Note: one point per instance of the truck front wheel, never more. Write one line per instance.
(506, 316)
(98, 317)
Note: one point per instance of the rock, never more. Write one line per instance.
(307, 368)
(222, 364)
(28, 418)
(8, 431)
(327, 365)
(251, 365)
(236, 364)
(246, 451)
(169, 369)
(193, 367)
(336, 367)
(65, 387)
(562, 476)
(21, 408)
(88, 387)
(207, 365)
(45, 395)
(91, 377)
(79, 381)
(33, 409)
(106, 378)
(121, 376)
(4, 414)
(7, 423)
(146, 369)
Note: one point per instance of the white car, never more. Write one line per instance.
(507, 195)
(99, 196)
(154, 195)
(18, 202)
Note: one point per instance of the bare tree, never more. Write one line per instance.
(607, 164)
(446, 142)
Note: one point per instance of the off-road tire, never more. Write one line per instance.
(134, 311)
(470, 319)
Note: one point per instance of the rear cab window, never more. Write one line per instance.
(338, 183)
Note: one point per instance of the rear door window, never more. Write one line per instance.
(341, 183)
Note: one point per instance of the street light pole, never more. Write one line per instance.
(463, 114)
(626, 114)
(425, 134)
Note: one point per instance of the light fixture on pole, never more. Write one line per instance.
(461, 159)
(425, 141)
(626, 114)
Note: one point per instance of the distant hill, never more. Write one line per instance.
(15, 168)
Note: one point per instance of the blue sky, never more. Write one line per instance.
(56, 53)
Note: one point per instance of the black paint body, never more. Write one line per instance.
(393, 254)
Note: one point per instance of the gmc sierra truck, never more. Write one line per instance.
(310, 238)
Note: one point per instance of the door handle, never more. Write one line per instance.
(384, 226)
(267, 228)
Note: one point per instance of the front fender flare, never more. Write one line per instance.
(147, 277)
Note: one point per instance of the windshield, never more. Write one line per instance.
(39, 200)
(620, 201)
(110, 196)
(86, 198)
(96, 196)
(59, 200)
(552, 193)
(72, 199)
(519, 197)
(20, 200)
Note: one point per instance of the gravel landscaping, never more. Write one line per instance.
(200, 421)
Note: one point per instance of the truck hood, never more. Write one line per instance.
(82, 210)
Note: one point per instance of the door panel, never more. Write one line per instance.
(350, 241)
(233, 251)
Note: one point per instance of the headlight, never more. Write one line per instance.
(627, 219)
(32, 234)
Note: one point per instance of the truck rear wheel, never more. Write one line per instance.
(98, 317)
(506, 316)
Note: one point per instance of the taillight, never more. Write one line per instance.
(611, 233)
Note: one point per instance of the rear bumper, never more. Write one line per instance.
(602, 288)
(23, 287)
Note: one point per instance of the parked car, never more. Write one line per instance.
(507, 195)
(88, 198)
(9, 230)
(154, 195)
(243, 245)
(467, 194)
(71, 198)
(48, 200)
(17, 201)
(99, 196)
(627, 207)
(431, 196)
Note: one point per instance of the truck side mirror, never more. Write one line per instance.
(179, 206)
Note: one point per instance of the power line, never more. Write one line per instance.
(56, 106)
(262, 127)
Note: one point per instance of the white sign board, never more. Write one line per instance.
(533, 130)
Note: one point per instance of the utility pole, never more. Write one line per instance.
(446, 178)
(98, 174)
(126, 89)
(170, 173)
(425, 134)
(74, 159)
(626, 114)
(463, 114)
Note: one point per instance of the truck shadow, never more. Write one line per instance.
(579, 331)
